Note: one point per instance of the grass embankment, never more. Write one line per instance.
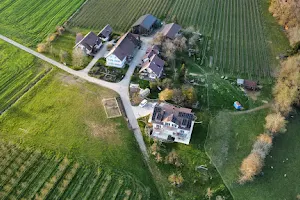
(230, 140)
(19, 71)
(196, 181)
(65, 115)
(30, 22)
(276, 38)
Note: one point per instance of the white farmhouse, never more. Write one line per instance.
(123, 51)
(171, 123)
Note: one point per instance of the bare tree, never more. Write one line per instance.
(262, 145)
(180, 43)
(167, 83)
(169, 49)
(63, 56)
(189, 30)
(178, 97)
(158, 39)
(78, 58)
(193, 40)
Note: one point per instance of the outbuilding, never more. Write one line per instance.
(105, 33)
(145, 25)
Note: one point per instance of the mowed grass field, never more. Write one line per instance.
(229, 142)
(30, 22)
(238, 28)
(65, 115)
(28, 174)
(18, 71)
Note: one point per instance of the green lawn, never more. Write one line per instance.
(65, 43)
(65, 115)
(230, 140)
(18, 71)
(30, 22)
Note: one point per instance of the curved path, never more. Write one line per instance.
(252, 110)
(121, 88)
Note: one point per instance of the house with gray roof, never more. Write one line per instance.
(145, 25)
(171, 123)
(123, 51)
(89, 44)
(153, 68)
(153, 50)
(105, 33)
(171, 30)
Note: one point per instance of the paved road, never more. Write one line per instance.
(98, 55)
(121, 88)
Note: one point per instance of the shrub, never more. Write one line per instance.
(166, 94)
(51, 37)
(102, 61)
(173, 158)
(109, 47)
(144, 84)
(175, 179)
(42, 48)
(60, 30)
(250, 167)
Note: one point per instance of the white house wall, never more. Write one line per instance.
(114, 61)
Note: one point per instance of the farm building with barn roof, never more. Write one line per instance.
(170, 31)
(145, 25)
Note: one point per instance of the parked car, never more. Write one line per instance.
(143, 103)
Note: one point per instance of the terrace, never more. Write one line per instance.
(171, 134)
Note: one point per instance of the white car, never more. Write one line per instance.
(143, 103)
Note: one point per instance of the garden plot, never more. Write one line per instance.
(112, 108)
